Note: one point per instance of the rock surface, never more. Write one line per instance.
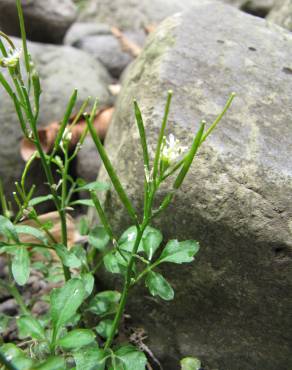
(46, 20)
(134, 14)
(61, 70)
(282, 14)
(98, 41)
(233, 304)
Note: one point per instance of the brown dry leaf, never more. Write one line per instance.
(126, 44)
(48, 134)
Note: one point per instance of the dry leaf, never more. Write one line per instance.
(126, 44)
(150, 28)
(48, 134)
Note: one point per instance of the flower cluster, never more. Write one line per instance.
(171, 150)
(12, 59)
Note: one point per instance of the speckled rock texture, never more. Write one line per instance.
(61, 68)
(282, 14)
(46, 20)
(233, 305)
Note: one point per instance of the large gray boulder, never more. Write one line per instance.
(282, 14)
(233, 305)
(61, 70)
(46, 20)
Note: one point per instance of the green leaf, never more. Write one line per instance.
(4, 322)
(179, 252)
(28, 326)
(98, 238)
(157, 285)
(111, 263)
(20, 265)
(67, 257)
(65, 302)
(83, 202)
(92, 358)
(53, 363)
(16, 356)
(88, 281)
(96, 185)
(7, 229)
(37, 200)
(76, 339)
(130, 358)
(104, 328)
(38, 234)
(105, 302)
(190, 363)
(151, 241)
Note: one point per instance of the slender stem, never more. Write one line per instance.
(126, 288)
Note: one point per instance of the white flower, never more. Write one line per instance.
(171, 150)
(12, 59)
(66, 137)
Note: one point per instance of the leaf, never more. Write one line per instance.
(111, 263)
(76, 339)
(53, 363)
(4, 322)
(88, 282)
(83, 202)
(92, 358)
(105, 302)
(67, 257)
(16, 356)
(131, 358)
(28, 326)
(24, 229)
(20, 265)
(151, 241)
(157, 285)
(65, 302)
(37, 200)
(98, 238)
(96, 185)
(7, 229)
(179, 252)
(190, 363)
(104, 328)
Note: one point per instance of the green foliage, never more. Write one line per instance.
(67, 337)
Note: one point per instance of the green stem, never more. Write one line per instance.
(15, 293)
(126, 288)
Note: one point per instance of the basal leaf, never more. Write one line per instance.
(76, 339)
(130, 358)
(28, 326)
(65, 302)
(190, 363)
(21, 265)
(91, 358)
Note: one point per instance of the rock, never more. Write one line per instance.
(282, 14)
(46, 20)
(61, 70)
(233, 305)
(259, 8)
(98, 41)
(132, 15)
(88, 161)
